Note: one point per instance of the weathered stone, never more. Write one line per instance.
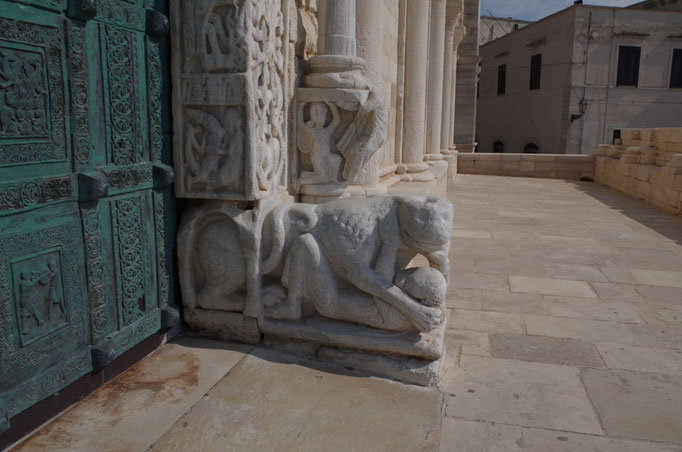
(513, 392)
(637, 405)
(461, 435)
(273, 402)
(135, 409)
(644, 359)
(536, 440)
(228, 326)
(569, 352)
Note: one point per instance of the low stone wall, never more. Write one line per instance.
(549, 166)
(645, 164)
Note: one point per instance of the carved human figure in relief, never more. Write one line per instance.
(213, 149)
(49, 278)
(347, 260)
(315, 139)
(27, 280)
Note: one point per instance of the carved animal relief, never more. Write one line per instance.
(345, 260)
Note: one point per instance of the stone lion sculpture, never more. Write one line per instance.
(346, 260)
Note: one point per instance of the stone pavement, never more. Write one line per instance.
(565, 313)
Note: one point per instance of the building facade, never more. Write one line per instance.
(492, 27)
(573, 80)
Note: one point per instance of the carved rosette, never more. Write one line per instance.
(228, 71)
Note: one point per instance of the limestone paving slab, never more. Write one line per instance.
(644, 359)
(461, 435)
(581, 329)
(616, 292)
(549, 286)
(464, 299)
(471, 342)
(538, 440)
(272, 402)
(576, 272)
(579, 308)
(492, 322)
(544, 350)
(519, 393)
(514, 302)
(137, 407)
(472, 280)
(637, 405)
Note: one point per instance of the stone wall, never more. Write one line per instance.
(573, 167)
(646, 164)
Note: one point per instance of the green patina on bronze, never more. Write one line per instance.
(86, 213)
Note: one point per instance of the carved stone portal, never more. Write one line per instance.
(332, 281)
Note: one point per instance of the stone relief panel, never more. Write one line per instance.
(119, 53)
(32, 99)
(33, 193)
(24, 93)
(131, 259)
(228, 67)
(214, 148)
(43, 321)
(40, 301)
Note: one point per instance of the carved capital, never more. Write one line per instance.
(81, 9)
(156, 24)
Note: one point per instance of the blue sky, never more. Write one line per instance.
(537, 9)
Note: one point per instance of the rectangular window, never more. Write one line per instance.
(616, 136)
(628, 65)
(676, 69)
(535, 71)
(501, 78)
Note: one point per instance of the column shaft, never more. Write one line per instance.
(416, 60)
(435, 87)
(336, 27)
(447, 92)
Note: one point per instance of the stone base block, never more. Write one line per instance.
(323, 332)
(223, 325)
(437, 183)
(416, 371)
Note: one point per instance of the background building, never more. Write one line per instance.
(573, 80)
(492, 28)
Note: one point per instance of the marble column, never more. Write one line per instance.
(416, 63)
(336, 27)
(453, 103)
(453, 35)
(369, 36)
(435, 88)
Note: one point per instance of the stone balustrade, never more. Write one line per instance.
(551, 166)
(645, 164)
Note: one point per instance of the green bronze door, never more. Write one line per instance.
(85, 207)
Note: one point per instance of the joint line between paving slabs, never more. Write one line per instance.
(151, 446)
